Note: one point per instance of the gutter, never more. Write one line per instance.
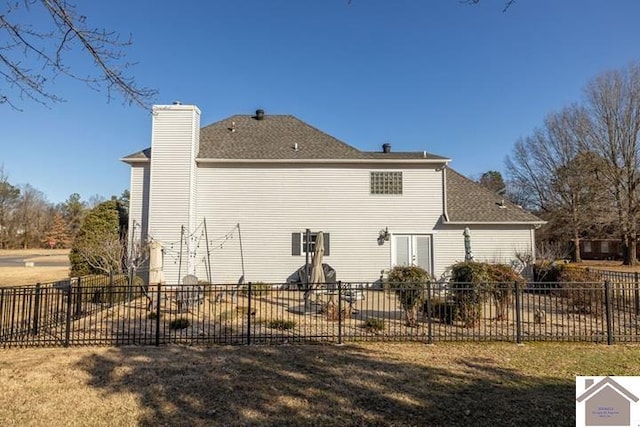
(535, 223)
(325, 161)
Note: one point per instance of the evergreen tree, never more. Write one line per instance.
(98, 246)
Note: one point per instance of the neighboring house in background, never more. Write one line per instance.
(603, 249)
(259, 181)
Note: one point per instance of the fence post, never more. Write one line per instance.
(130, 284)
(608, 311)
(36, 310)
(78, 294)
(429, 319)
(67, 333)
(636, 293)
(340, 310)
(110, 288)
(158, 316)
(249, 314)
(518, 313)
(2, 313)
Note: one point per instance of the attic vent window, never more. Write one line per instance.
(386, 183)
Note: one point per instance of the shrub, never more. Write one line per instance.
(102, 289)
(409, 284)
(331, 312)
(373, 324)
(545, 271)
(472, 283)
(281, 324)
(257, 289)
(583, 289)
(445, 311)
(180, 323)
(468, 284)
(502, 277)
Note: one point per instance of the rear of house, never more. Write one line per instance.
(232, 201)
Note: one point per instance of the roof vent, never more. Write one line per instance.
(259, 114)
(177, 103)
(386, 148)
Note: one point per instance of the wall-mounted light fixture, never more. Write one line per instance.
(383, 236)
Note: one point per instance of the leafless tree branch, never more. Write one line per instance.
(31, 59)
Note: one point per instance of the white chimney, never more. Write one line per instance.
(175, 139)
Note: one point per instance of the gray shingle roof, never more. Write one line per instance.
(140, 155)
(279, 137)
(468, 201)
(276, 137)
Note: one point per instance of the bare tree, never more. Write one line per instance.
(31, 217)
(554, 169)
(507, 3)
(613, 103)
(32, 57)
(8, 199)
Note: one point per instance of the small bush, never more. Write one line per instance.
(468, 286)
(99, 289)
(583, 289)
(330, 311)
(257, 289)
(445, 311)
(152, 315)
(281, 324)
(373, 324)
(473, 283)
(180, 323)
(409, 284)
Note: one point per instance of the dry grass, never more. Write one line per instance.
(369, 384)
(20, 275)
(608, 265)
(30, 253)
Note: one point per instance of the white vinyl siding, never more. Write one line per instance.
(270, 203)
(489, 243)
(139, 202)
(171, 203)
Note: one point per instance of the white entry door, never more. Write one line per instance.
(412, 249)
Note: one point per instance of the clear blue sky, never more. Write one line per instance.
(455, 80)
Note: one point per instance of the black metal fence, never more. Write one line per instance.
(113, 311)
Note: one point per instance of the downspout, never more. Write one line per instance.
(445, 214)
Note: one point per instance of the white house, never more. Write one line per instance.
(233, 199)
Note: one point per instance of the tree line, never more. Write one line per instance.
(29, 220)
(580, 170)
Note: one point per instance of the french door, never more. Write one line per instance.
(412, 249)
